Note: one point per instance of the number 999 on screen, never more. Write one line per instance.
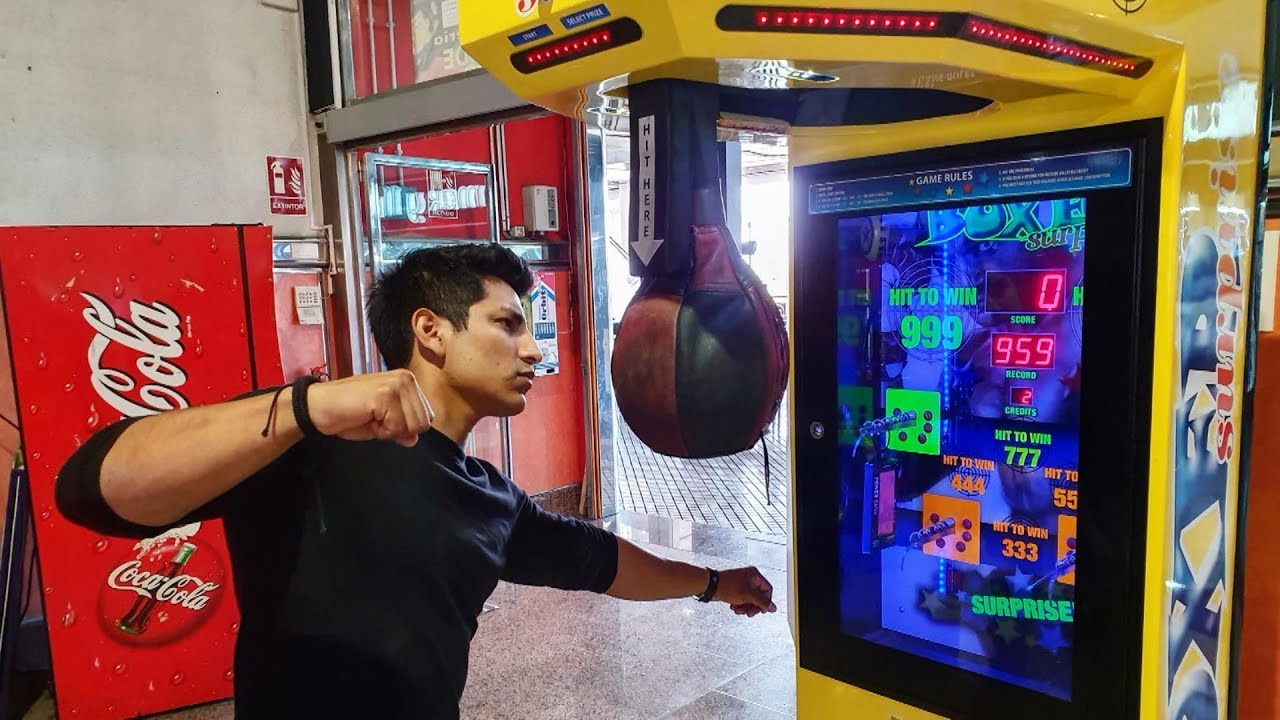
(931, 332)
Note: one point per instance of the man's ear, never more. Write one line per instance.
(429, 332)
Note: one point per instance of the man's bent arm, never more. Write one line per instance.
(164, 466)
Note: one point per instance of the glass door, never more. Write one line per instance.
(415, 202)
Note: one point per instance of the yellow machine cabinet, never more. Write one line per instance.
(1023, 235)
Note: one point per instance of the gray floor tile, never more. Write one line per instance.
(723, 707)
(771, 684)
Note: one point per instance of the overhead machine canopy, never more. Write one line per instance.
(1003, 499)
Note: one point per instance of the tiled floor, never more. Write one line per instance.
(723, 492)
(549, 655)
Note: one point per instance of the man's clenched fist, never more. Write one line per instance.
(746, 590)
(378, 406)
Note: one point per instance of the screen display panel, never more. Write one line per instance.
(958, 371)
(971, 444)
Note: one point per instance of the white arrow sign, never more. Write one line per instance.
(646, 249)
(647, 246)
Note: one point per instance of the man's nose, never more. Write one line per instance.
(529, 350)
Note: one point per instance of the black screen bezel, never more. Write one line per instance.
(1115, 423)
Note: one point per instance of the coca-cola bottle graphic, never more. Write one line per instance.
(135, 621)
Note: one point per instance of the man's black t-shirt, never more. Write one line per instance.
(361, 569)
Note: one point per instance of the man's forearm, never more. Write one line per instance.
(644, 576)
(164, 466)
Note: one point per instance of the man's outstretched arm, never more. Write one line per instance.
(561, 552)
(644, 576)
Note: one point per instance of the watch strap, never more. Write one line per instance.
(713, 582)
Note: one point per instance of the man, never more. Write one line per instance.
(363, 541)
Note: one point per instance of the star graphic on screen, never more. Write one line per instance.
(1007, 629)
(1070, 382)
(1019, 580)
(933, 603)
(951, 191)
(1051, 639)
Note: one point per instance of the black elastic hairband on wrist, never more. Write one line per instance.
(301, 414)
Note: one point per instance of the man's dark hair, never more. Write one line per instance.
(446, 280)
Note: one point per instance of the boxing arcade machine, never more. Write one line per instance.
(1023, 237)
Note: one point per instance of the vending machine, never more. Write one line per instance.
(1023, 240)
(111, 322)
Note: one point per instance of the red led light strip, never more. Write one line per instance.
(869, 22)
(564, 50)
(997, 34)
(617, 33)
(960, 26)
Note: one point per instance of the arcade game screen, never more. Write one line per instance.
(958, 369)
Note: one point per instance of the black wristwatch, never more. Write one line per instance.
(712, 583)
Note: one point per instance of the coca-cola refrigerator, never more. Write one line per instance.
(106, 322)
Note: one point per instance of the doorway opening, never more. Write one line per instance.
(727, 492)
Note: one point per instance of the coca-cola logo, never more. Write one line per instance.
(163, 589)
(154, 332)
(131, 577)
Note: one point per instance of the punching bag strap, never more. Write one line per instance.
(675, 180)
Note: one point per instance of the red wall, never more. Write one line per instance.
(538, 154)
(548, 438)
(301, 346)
(465, 146)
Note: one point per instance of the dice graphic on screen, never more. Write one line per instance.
(923, 437)
(961, 540)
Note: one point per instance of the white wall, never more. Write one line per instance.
(148, 111)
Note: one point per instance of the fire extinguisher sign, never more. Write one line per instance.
(285, 186)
